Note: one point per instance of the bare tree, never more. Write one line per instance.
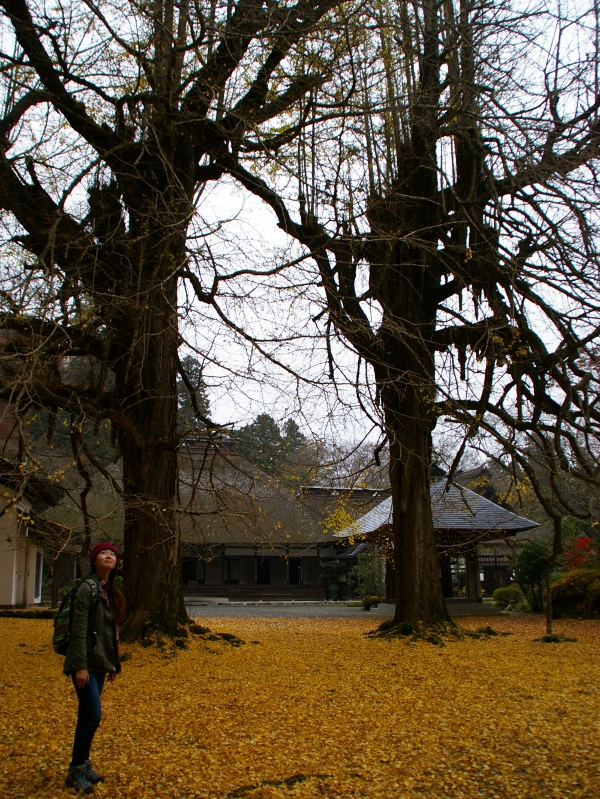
(450, 215)
(115, 115)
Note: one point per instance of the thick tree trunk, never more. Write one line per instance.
(152, 580)
(419, 600)
(153, 587)
(407, 389)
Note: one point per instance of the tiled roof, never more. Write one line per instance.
(457, 509)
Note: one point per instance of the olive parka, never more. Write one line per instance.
(93, 644)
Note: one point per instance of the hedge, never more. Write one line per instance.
(577, 594)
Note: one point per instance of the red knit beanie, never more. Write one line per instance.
(100, 547)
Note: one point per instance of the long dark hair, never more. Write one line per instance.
(116, 599)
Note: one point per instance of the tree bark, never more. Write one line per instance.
(153, 587)
(536, 606)
(148, 442)
(541, 596)
(419, 600)
(548, 603)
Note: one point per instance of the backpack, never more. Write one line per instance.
(63, 620)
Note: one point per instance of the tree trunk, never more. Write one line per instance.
(404, 276)
(535, 607)
(548, 603)
(153, 587)
(405, 378)
(419, 600)
(152, 579)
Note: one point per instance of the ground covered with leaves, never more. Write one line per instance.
(311, 708)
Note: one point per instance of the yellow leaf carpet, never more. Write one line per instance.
(315, 709)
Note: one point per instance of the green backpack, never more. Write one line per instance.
(63, 620)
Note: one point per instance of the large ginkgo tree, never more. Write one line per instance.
(114, 117)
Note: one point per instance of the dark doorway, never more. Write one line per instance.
(295, 571)
(263, 571)
(446, 576)
(232, 571)
(192, 570)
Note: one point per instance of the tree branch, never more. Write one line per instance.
(101, 137)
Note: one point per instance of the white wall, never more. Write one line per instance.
(8, 557)
(18, 558)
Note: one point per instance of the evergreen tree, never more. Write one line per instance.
(293, 438)
(531, 565)
(262, 443)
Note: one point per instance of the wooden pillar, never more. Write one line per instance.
(446, 576)
(55, 579)
(473, 583)
(26, 568)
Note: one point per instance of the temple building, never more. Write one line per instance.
(463, 521)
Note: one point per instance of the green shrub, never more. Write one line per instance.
(512, 595)
(577, 593)
(367, 577)
(66, 588)
(530, 570)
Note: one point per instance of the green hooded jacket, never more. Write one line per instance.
(93, 643)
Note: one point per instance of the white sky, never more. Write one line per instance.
(251, 238)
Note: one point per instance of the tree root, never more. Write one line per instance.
(141, 629)
(484, 632)
(435, 634)
(207, 635)
(556, 639)
(180, 639)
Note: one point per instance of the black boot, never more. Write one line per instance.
(92, 775)
(76, 778)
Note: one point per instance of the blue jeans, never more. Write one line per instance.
(88, 716)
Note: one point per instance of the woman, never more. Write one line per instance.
(93, 653)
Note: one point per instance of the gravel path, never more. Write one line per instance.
(315, 610)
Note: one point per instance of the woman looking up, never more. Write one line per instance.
(93, 653)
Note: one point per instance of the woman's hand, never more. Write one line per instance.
(82, 678)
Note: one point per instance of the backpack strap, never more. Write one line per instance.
(95, 595)
(94, 589)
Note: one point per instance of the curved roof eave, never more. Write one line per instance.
(458, 511)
